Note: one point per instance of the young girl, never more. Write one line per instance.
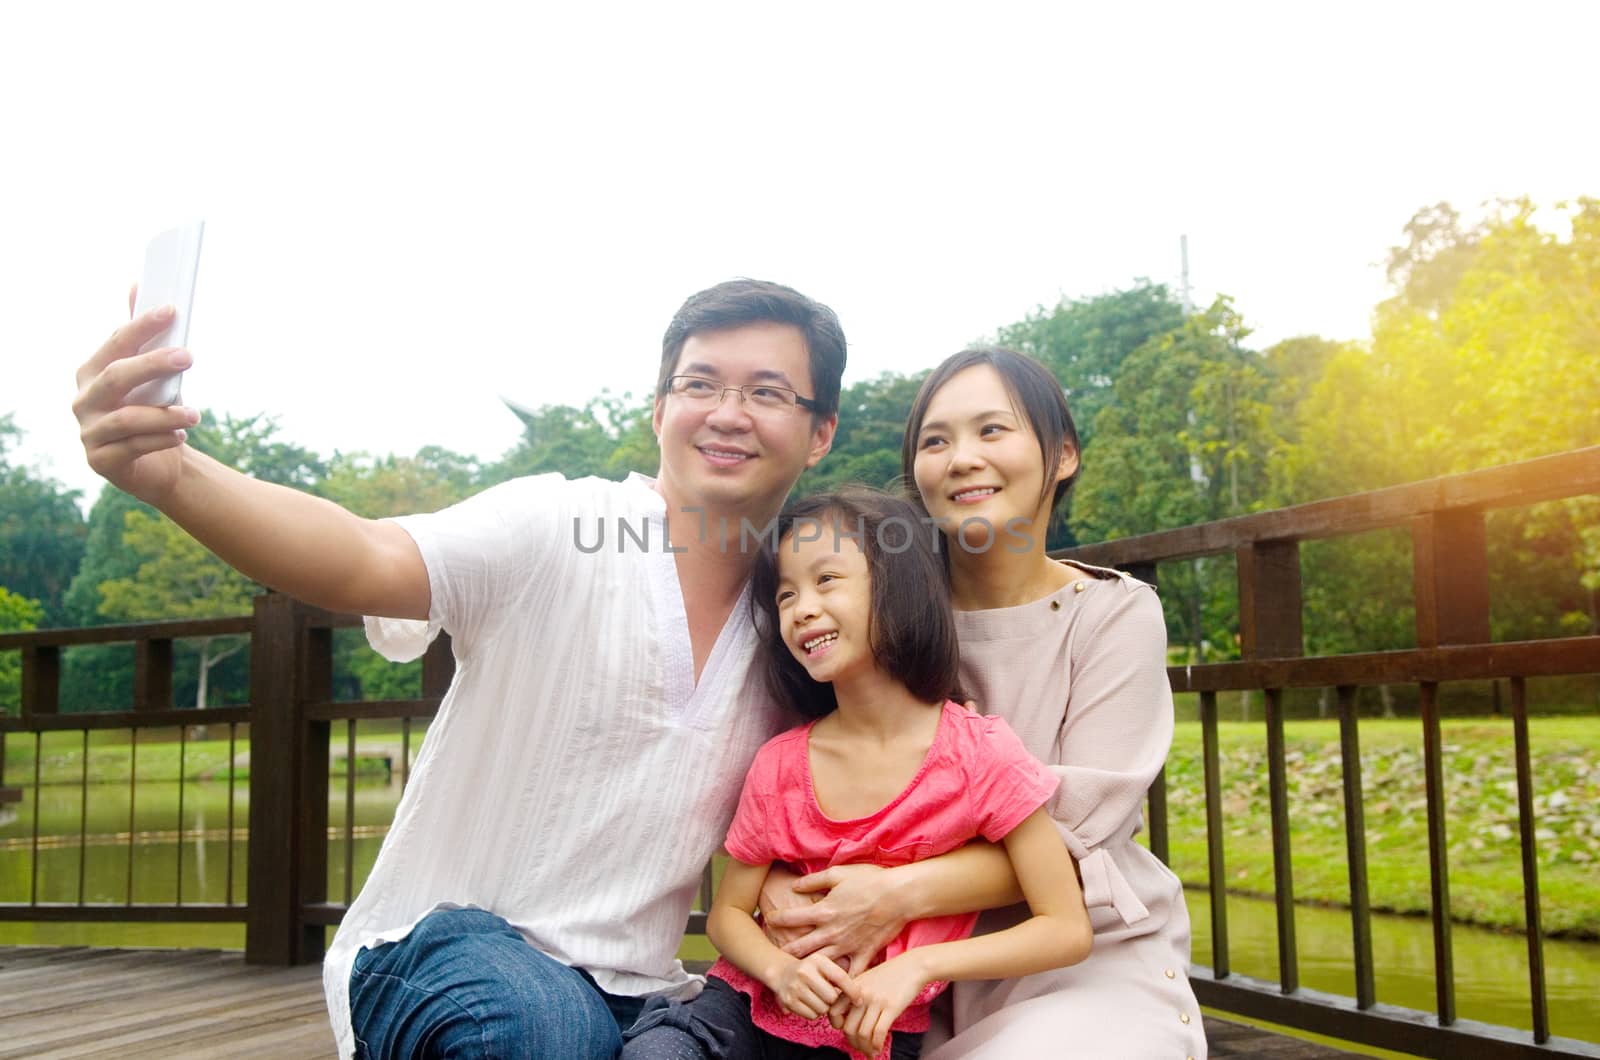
(858, 634)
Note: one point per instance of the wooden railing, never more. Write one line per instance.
(151, 709)
(1445, 518)
(294, 666)
(292, 712)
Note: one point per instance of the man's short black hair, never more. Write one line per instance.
(736, 303)
(912, 629)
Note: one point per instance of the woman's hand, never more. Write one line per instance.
(778, 893)
(884, 993)
(854, 918)
(811, 986)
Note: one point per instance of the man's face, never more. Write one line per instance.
(731, 456)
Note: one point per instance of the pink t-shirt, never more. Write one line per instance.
(977, 780)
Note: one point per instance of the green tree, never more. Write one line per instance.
(41, 532)
(866, 447)
(1438, 248)
(178, 578)
(1186, 439)
(1487, 352)
(248, 443)
(380, 486)
(104, 557)
(94, 676)
(17, 614)
(609, 437)
(251, 444)
(1085, 341)
(1295, 366)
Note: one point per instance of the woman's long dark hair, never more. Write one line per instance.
(911, 629)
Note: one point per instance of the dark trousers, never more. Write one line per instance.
(717, 1026)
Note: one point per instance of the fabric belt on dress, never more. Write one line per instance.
(1103, 882)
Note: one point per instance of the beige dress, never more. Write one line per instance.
(1081, 676)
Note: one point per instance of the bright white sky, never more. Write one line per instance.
(413, 209)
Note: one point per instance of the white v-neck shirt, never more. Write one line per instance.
(577, 778)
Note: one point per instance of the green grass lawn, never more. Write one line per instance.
(1480, 794)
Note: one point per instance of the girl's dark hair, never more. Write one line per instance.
(911, 627)
(1034, 391)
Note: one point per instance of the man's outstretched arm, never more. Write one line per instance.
(290, 541)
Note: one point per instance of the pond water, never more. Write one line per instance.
(1491, 968)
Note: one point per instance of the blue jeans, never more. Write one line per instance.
(465, 984)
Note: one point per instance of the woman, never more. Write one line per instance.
(1074, 657)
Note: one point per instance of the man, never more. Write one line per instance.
(587, 758)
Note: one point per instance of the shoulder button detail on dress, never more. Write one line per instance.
(1079, 586)
(1055, 605)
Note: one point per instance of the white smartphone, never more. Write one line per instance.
(171, 263)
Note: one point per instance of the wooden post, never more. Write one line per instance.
(1145, 572)
(152, 675)
(1269, 600)
(8, 795)
(315, 670)
(41, 679)
(1450, 578)
(40, 694)
(288, 808)
(438, 667)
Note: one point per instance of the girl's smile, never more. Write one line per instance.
(819, 644)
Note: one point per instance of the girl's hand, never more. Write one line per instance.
(809, 987)
(855, 918)
(885, 992)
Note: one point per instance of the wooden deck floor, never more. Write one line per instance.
(84, 1002)
(80, 1002)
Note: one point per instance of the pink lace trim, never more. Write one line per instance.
(770, 1016)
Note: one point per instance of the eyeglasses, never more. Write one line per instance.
(759, 397)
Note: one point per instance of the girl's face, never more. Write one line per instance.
(978, 465)
(824, 601)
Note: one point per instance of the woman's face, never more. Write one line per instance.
(978, 465)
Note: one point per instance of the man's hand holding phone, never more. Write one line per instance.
(171, 267)
(128, 405)
(134, 447)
